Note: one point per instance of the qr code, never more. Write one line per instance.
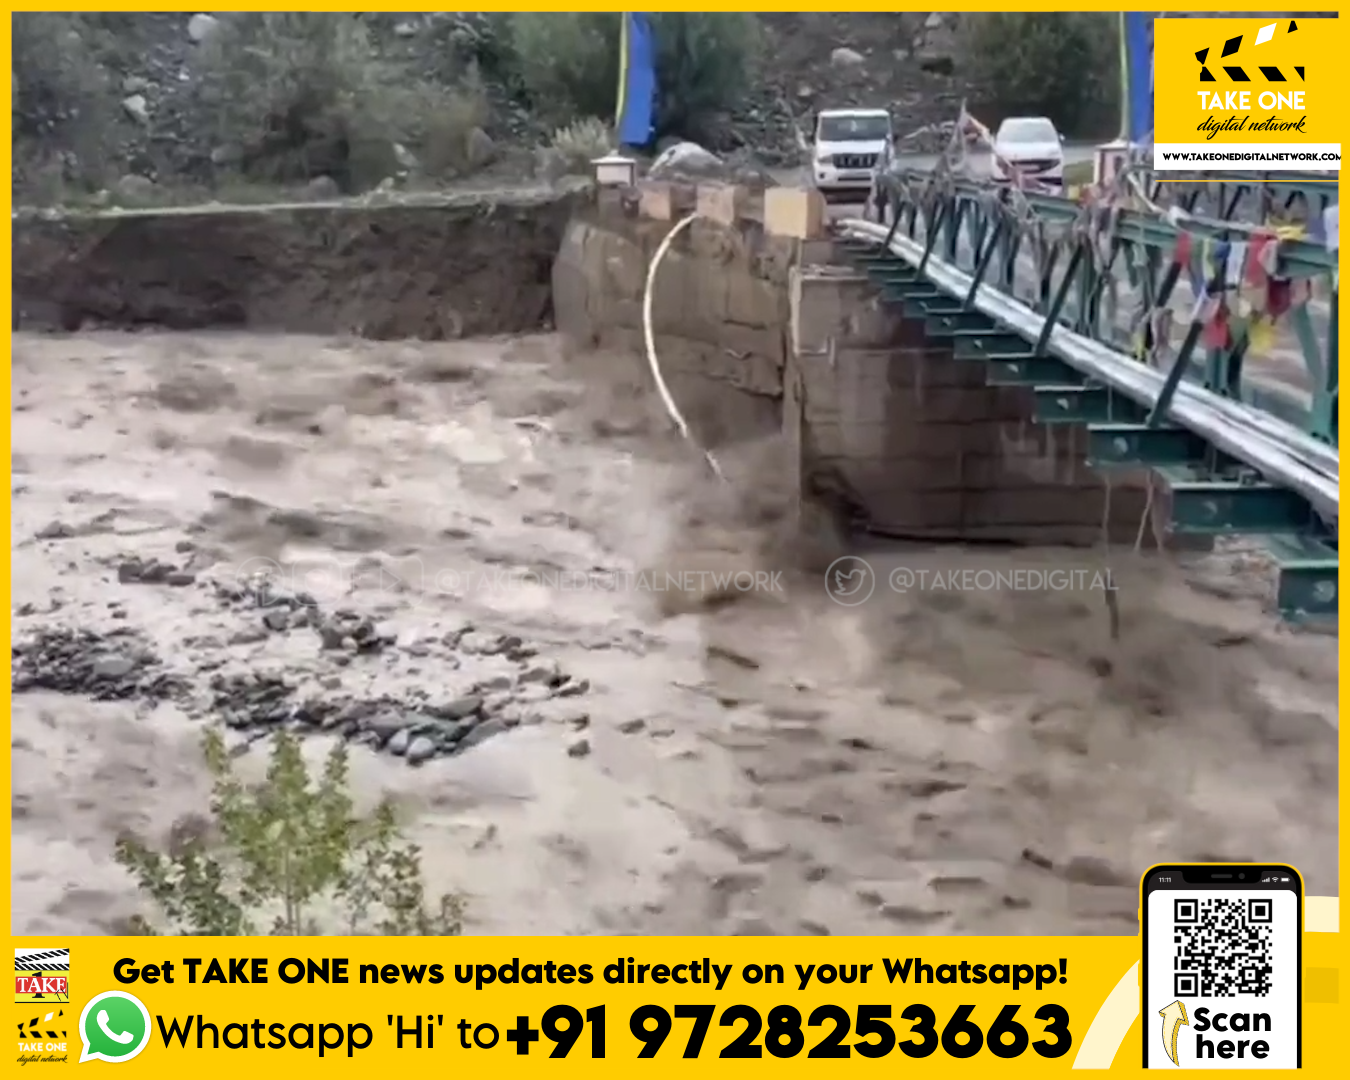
(1222, 948)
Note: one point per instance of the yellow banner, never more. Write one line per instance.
(1247, 82)
(212, 1005)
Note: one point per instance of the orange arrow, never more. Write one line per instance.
(1173, 1017)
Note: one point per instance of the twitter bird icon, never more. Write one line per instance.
(850, 581)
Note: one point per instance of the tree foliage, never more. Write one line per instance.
(62, 97)
(569, 64)
(283, 852)
(705, 63)
(568, 61)
(1064, 65)
(580, 143)
(296, 94)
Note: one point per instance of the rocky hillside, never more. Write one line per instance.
(121, 87)
(907, 62)
(117, 99)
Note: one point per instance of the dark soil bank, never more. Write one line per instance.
(449, 268)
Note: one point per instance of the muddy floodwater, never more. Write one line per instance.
(493, 576)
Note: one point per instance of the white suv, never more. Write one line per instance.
(848, 146)
(1034, 148)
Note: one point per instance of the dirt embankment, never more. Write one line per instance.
(443, 269)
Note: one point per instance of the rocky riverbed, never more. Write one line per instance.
(458, 557)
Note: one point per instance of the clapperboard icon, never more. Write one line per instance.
(1238, 69)
(41, 975)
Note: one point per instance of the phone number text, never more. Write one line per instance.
(828, 1032)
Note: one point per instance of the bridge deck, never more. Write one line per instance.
(1242, 432)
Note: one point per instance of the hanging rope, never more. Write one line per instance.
(649, 339)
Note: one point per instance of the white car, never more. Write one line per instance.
(1034, 149)
(847, 148)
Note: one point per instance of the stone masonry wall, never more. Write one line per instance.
(909, 436)
(719, 315)
(928, 448)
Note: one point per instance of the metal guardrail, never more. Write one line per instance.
(1273, 193)
(978, 269)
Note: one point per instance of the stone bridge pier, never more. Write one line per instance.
(760, 330)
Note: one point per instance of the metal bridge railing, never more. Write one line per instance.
(1202, 348)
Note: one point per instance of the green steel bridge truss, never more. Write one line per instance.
(1105, 275)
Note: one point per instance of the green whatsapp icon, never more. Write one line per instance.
(114, 1027)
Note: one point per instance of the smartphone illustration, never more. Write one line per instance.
(1222, 967)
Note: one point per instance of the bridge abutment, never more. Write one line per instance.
(930, 448)
(915, 439)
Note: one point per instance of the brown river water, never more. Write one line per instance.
(933, 762)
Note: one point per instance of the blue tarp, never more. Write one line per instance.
(1136, 71)
(637, 81)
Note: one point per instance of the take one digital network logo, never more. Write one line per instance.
(42, 987)
(1247, 94)
(44, 1039)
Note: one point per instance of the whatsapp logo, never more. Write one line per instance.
(114, 1027)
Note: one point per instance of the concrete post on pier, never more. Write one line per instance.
(1109, 159)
